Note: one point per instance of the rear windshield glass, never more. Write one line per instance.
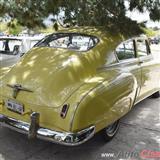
(72, 41)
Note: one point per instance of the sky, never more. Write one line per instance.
(141, 17)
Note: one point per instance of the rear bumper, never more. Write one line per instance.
(64, 138)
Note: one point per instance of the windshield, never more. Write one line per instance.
(10, 46)
(72, 41)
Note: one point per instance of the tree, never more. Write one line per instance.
(108, 13)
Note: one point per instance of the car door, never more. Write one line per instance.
(149, 69)
(128, 60)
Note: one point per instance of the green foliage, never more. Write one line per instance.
(108, 13)
(153, 6)
(12, 27)
(150, 32)
(3, 27)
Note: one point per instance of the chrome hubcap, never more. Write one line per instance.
(111, 129)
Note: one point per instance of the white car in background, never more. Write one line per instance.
(13, 48)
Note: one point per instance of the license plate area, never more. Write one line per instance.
(14, 106)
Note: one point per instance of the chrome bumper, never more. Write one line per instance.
(64, 138)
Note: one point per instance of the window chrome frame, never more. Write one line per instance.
(70, 33)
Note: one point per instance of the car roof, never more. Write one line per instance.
(95, 31)
(102, 33)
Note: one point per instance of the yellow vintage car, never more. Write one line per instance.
(75, 83)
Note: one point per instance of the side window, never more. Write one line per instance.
(142, 49)
(125, 50)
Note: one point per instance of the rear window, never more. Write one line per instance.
(71, 41)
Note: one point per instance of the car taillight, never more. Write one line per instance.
(64, 110)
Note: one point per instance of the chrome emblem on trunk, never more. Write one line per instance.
(17, 88)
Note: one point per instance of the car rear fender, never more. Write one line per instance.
(103, 103)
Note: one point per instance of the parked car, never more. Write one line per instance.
(1, 34)
(155, 40)
(12, 48)
(77, 82)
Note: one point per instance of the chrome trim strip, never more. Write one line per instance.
(123, 62)
(127, 62)
(19, 87)
(64, 138)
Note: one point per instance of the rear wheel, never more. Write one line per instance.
(156, 95)
(110, 131)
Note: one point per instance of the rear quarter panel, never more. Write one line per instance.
(104, 102)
